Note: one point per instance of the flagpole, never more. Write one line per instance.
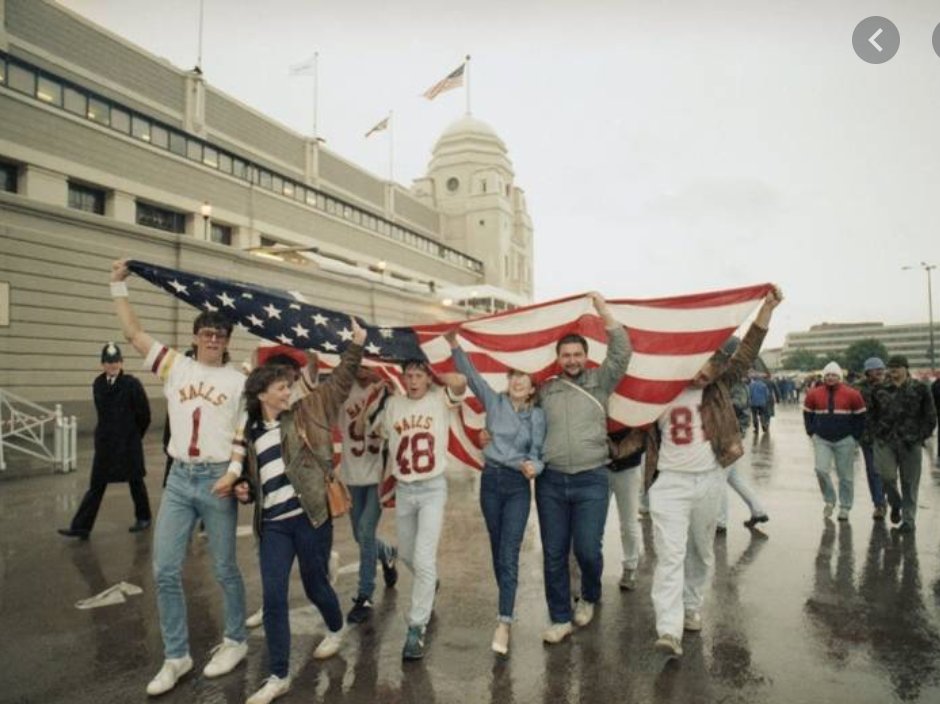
(199, 51)
(467, 83)
(391, 148)
(316, 81)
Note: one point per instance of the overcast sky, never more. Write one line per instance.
(664, 147)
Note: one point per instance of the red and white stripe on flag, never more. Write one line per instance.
(671, 339)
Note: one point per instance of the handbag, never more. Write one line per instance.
(338, 498)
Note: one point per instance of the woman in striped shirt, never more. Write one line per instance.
(288, 446)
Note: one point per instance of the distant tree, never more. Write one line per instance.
(856, 353)
(803, 359)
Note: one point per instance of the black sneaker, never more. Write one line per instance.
(895, 514)
(139, 526)
(361, 610)
(74, 533)
(906, 527)
(414, 644)
(754, 520)
(389, 572)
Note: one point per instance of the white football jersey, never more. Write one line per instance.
(417, 433)
(362, 450)
(203, 404)
(684, 447)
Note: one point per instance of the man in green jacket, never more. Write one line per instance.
(572, 493)
(902, 417)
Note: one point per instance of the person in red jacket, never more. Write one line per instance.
(834, 415)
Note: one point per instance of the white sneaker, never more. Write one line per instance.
(693, 621)
(169, 675)
(500, 644)
(225, 657)
(583, 612)
(256, 619)
(557, 632)
(628, 579)
(668, 645)
(827, 510)
(329, 646)
(272, 688)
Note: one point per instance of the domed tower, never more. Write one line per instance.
(470, 180)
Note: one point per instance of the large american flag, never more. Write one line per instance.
(671, 338)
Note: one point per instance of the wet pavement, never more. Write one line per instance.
(807, 610)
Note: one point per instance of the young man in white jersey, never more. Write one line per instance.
(417, 427)
(203, 406)
(699, 438)
(362, 472)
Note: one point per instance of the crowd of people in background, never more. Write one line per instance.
(264, 436)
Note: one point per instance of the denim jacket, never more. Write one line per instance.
(516, 436)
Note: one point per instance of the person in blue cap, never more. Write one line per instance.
(874, 375)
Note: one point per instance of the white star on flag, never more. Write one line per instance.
(329, 346)
(320, 319)
(294, 306)
(272, 311)
(209, 306)
(247, 295)
(180, 288)
(386, 333)
(226, 300)
(345, 334)
(373, 348)
(255, 320)
(285, 339)
(300, 330)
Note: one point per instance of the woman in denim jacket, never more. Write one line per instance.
(513, 456)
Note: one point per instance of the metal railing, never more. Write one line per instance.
(24, 428)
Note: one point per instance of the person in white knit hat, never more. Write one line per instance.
(834, 416)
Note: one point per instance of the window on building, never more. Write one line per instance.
(159, 137)
(193, 150)
(268, 241)
(49, 91)
(177, 143)
(98, 111)
(76, 102)
(8, 177)
(140, 128)
(120, 120)
(225, 163)
(312, 198)
(160, 218)
(86, 198)
(277, 184)
(21, 79)
(266, 179)
(220, 234)
(289, 189)
(239, 169)
(210, 157)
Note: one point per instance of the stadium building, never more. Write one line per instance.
(108, 151)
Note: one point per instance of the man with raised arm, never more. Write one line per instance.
(572, 493)
(699, 438)
(203, 406)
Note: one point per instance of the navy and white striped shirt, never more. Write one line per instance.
(279, 500)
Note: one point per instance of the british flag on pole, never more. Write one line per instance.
(671, 339)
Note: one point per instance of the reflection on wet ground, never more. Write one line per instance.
(806, 610)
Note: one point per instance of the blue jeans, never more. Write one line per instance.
(419, 517)
(505, 499)
(842, 452)
(875, 487)
(572, 511)
(281, 541)
(364, 516)
(187, 498)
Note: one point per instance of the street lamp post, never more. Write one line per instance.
(928, 268)
(206, 211)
